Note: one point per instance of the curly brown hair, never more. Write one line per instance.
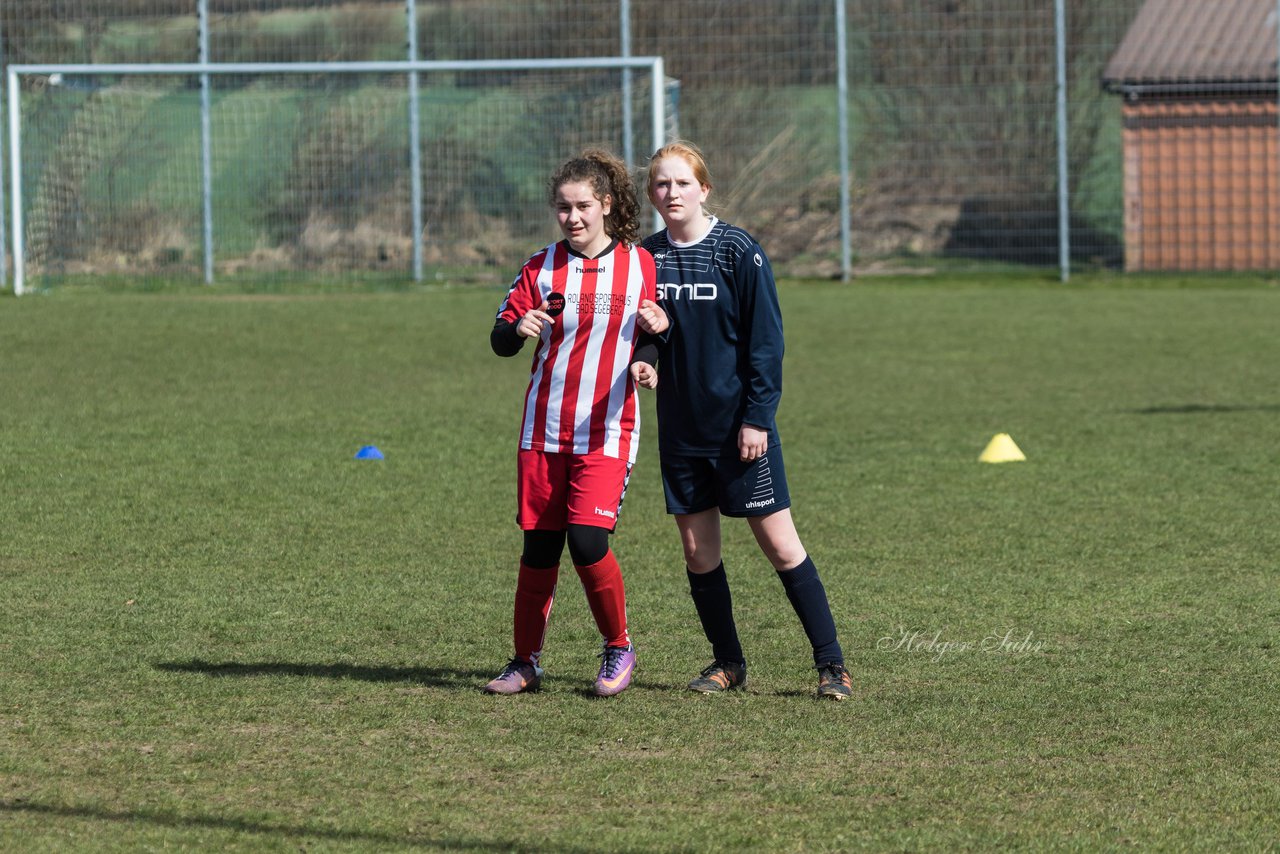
(607, 175)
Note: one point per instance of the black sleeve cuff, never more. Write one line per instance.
(646, 351)
(504, 339)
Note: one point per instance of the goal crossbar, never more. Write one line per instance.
(15, 72)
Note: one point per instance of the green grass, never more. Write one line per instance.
(222, 632)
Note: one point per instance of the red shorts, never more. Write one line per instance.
(557, 490)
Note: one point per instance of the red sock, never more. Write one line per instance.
(608, 600)
(535, 591)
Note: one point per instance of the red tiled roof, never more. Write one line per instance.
(1197, 44)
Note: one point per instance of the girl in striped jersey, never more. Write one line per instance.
(585, 300)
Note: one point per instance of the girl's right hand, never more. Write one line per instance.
(531, 325)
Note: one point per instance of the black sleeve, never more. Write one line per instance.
(646, 350)
(504, 339)
(649, 347)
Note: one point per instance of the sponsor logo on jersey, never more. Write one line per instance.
(759, 261)
(693, 291)
(611, 304)
(600, 270)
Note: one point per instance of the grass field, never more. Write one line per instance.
(220, 631)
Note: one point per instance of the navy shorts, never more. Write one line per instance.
(694, 484)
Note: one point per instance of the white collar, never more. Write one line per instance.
(677, 244)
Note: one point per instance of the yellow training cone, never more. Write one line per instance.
(1001, 449)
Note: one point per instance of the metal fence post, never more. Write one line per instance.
(658, 109)
(1064, 201)
(842, 112)
(4, 267)
(206, 141)
(624, 33)
(15, 178)
(415, 143)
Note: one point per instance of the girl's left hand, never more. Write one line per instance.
(645, 375)
(652, 318)
(752, 443)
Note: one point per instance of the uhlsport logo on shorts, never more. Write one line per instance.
(763, 495)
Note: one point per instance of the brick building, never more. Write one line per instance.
(1201, 135)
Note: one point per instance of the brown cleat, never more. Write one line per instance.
(834, 682)
(720, 676)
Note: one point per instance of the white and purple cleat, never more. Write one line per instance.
(619, 662)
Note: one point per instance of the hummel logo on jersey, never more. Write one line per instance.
(600, 271)
(608, 514)
(695, 291)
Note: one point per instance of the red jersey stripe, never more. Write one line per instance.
(578, 354)
(544, 379)
(609, 391)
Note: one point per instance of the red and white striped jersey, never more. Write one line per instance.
(581, 398)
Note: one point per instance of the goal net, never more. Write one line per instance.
(309, 173)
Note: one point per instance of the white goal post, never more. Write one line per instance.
(204, 71)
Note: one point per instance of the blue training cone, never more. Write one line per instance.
(369, 452)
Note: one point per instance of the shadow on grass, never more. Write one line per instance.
(439, 677)
(1204, 408)
(289, 831)
(445, 677)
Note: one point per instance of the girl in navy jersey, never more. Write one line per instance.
(721, 380)
(585, 301)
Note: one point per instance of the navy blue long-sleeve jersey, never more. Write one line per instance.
(721, 365)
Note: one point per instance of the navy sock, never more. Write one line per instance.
(710, 592)
(809, 599)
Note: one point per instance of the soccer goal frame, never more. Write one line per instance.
(411, 68)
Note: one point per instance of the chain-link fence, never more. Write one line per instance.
(953, 129)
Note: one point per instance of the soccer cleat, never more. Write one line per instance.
(516, 678)
(615, 670)
(834, 682)
(720, 676)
